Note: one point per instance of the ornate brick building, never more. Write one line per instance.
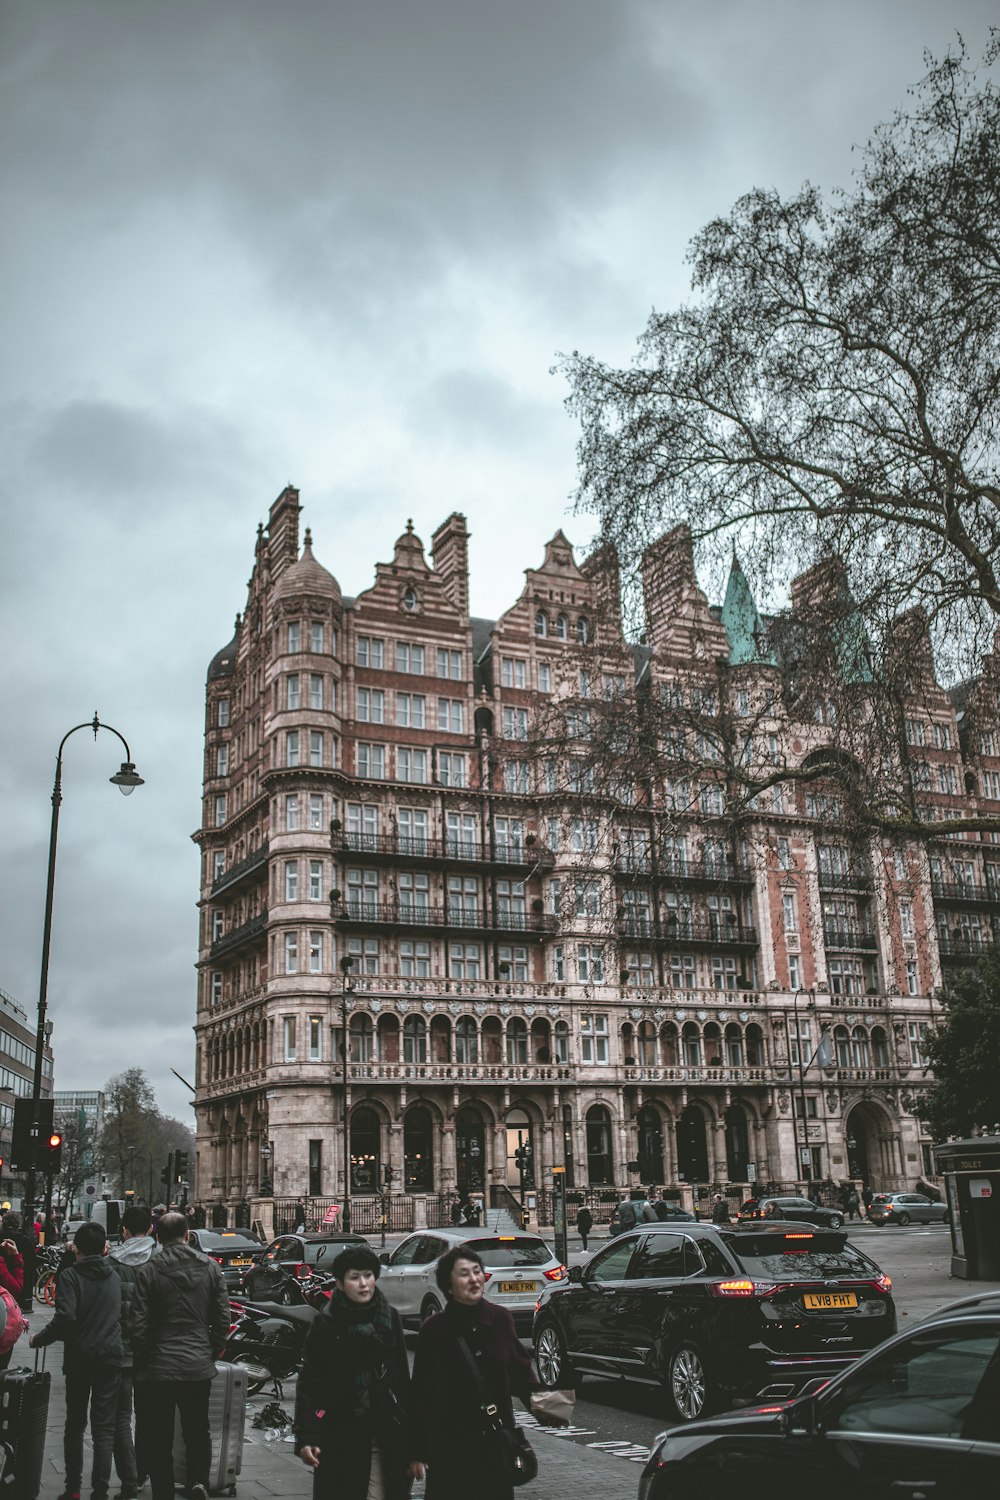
(582, 950)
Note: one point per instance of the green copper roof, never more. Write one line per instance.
(743, 624)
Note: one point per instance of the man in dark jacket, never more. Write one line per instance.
(126, 1259)
(89, 1321)
(179, 1322)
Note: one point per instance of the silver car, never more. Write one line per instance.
(519, 1267)
(907, 1208)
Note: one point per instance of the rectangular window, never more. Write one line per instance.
(315, 1169)
(288, 1028)
(788, 912)
(515, 777)
(464, 960)
(449, 664)
(315, 951)
(415, 960)
(222, 760)
(411, 765)
(294, 636)
(315, 810)
(315, 748)
(292, 751)
(612, 686)
(411, 823)
(291, 953)
(362, 893)
(723, 973)
(315, 690)
(640, 970)
(584, 681)
(414, 896)
(220, 810)
(583, 835)
(509, 833)
(218, 865)
(593, 1039)
(222, 713)
(588, 898)
(315, 880)
(917, 1031)
(682, 972)
(217, 921)
(451, 715)
(291, 814)
(513, 962)
(463, 900)
(316, 635)
(794, 978)
(511, 903)
(411, 710)
(370, 652)
(544, 677)
(987, 740)
(215, 993)
(315, 1039)
(912, 982)
(291, 880)
(462, 830)
(559, 964)
(371, 761)
(513, 672)
(451, 769)
(914, 732)
(294, 684)
(365, 953)
(991, 786)
(947, 780)
(784, 854)
(409, 658)
(942, 736)
(371, 705)
(589, 964)
(906, 918)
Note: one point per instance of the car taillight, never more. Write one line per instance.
(558, 1273)
(220, 1258)
(883, 1282)
(487, 1275)
(741, 1288)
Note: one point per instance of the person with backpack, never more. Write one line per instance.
(88, 1319)
(11, 1292)
(126, 1259)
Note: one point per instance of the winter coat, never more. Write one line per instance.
(88, 1314)
(179, 1315)
(351, 1394)
(447, 1429)
(12, 1275)
(720, 1212)
(584, 1221)
(126, 1259)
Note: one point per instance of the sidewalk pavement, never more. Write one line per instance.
(565, 1468)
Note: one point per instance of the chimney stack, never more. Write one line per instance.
(450, 551)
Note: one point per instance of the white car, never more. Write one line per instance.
(518, 1267)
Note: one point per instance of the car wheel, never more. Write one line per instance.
(427, 1309)
(554, 1368)
(688, 1388)
(904, 1219)
(836, 1222)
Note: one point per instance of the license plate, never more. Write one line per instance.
(828, 1301)
(515, 1286)
(241, 1260)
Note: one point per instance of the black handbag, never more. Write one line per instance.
(522, 1460)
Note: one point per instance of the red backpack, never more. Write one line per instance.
(14, 1321)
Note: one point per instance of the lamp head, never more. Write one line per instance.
(346, 964)
(126, 780)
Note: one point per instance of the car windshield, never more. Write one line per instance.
(502, 1251)
(809, 1258)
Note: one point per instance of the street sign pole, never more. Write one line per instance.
(559, 1213)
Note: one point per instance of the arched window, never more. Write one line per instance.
(628, 1045)
(418, 1150)
(517, 1040)
(583, 630)
(647, 1051)
(362, 1039)
(600, 1168)
(470, 1150)
(713, 1045)
(860, 1054)
(668, 1045)
(650, 1153)
(842, 1042)
(560, 1042)
(880, 1047)
(561, 628)
(691, 1045)
(414, 1040)
(734, 1045)
(737, 1144)
(366, 1150)
(466, 1040)
(541, 623)
(755, 1046)
(692, 1148)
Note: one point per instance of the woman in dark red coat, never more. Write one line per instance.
(12, 1281)
(448, 1436)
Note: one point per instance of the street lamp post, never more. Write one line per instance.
(346, 988)
(804, 1154)
(126, 781)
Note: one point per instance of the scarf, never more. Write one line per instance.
(365, 1331)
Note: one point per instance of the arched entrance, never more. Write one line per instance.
(470, 1151)
(366, 1151)
(418, 1150)
(600, 1165)
(692, 1147)
(737, 1144)
(870, 1148)
(650, 1153)
(520, 1173)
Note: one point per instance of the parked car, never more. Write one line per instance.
(518, 1266)
(918, 1415)
(633, 1211)
(793, 1210)
(235, 1252)
(291, 1258)
(714, 1312)
(907, 1208)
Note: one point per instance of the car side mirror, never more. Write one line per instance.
(801, 1416)
(576, 1274)
(383, 1259)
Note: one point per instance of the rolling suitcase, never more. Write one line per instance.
(227, 1410)
(24, 1412)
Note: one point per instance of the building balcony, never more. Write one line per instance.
(965, 949)
(256, 860)
(961, 893)
(637, 929)
(710, 872)
(255, 928)
(449, 1073)
(850, 939)
(386, 914)
(697, 1073)
(393, 848)
(850, 880)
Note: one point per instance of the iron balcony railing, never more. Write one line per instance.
(679, 934)
(398, 914)
(844, 880)
(671, 868)
(966, 947)
(255, 860)
(443, 851)
(965, 892)
(254, 928)
(854, 939)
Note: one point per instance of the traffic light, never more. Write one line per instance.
(180, 1166)
(53, 1153)
(1, 1166)
(167, 1175)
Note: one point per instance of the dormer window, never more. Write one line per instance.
(410, 599)
(541, 623)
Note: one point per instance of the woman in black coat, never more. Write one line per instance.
(351, 1400)
(449, 1438)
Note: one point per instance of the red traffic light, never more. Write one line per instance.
(55, 1139)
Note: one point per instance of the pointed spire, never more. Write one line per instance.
(741, 619)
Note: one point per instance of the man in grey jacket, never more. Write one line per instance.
(126, 1259)
(179, 1322)
(89, 1320)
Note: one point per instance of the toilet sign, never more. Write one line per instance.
(980, 1187)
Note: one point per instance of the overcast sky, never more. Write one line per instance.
(336, 243)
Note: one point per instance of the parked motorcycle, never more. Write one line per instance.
(267, 1339)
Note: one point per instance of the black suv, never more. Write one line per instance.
(917, 1416)
(634, 1211)
(292, 1258)
(792, 1210)
(714, 1312)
